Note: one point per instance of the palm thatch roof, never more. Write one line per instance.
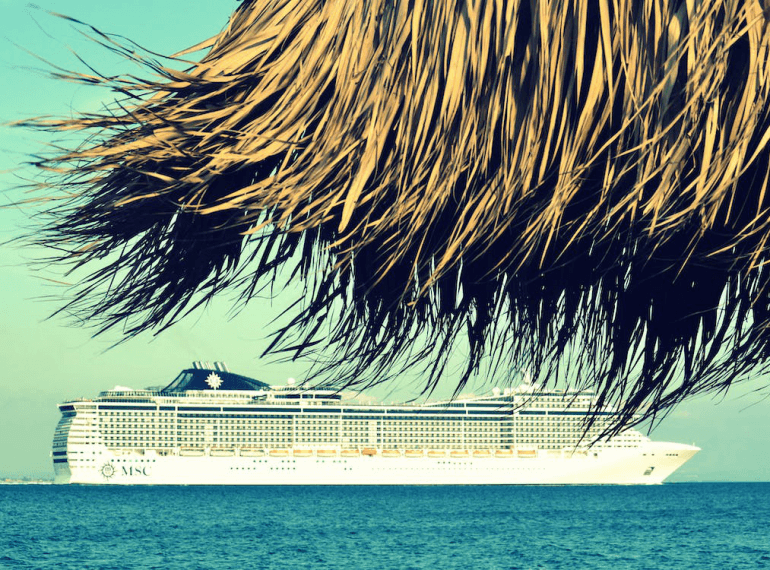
(546, 182)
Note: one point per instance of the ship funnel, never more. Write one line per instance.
(221, 366)
(196, 364)
(208, 365)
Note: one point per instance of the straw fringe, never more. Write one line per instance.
(556, 181)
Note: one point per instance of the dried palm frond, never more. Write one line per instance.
(549, 180)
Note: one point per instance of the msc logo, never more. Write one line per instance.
(109, 470)
(135, 470)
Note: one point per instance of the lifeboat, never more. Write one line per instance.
(191, 452)
(527, 453)
(459, 454)
(349, 453)
(251, 452)
(391, 453)
(222, 452)
(326, 453)
(279, 453)
(482, 453)
(414, 453)
(369, 451)
(504, 453)
(435, 453)
(303, 453)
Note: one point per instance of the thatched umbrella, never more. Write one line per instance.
(577, 183)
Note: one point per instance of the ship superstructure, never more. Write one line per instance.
(211, 426)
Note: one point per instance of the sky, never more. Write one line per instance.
(45, 361)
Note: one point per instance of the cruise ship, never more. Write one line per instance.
(211, 426)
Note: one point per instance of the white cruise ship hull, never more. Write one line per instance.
(649, 464)
(213, 427)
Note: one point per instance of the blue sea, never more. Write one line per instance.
(682, 526)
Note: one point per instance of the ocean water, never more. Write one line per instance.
(682, 526)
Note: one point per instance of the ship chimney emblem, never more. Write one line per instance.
(213, 380)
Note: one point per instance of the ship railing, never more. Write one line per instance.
(123, 400)
(129, 394)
